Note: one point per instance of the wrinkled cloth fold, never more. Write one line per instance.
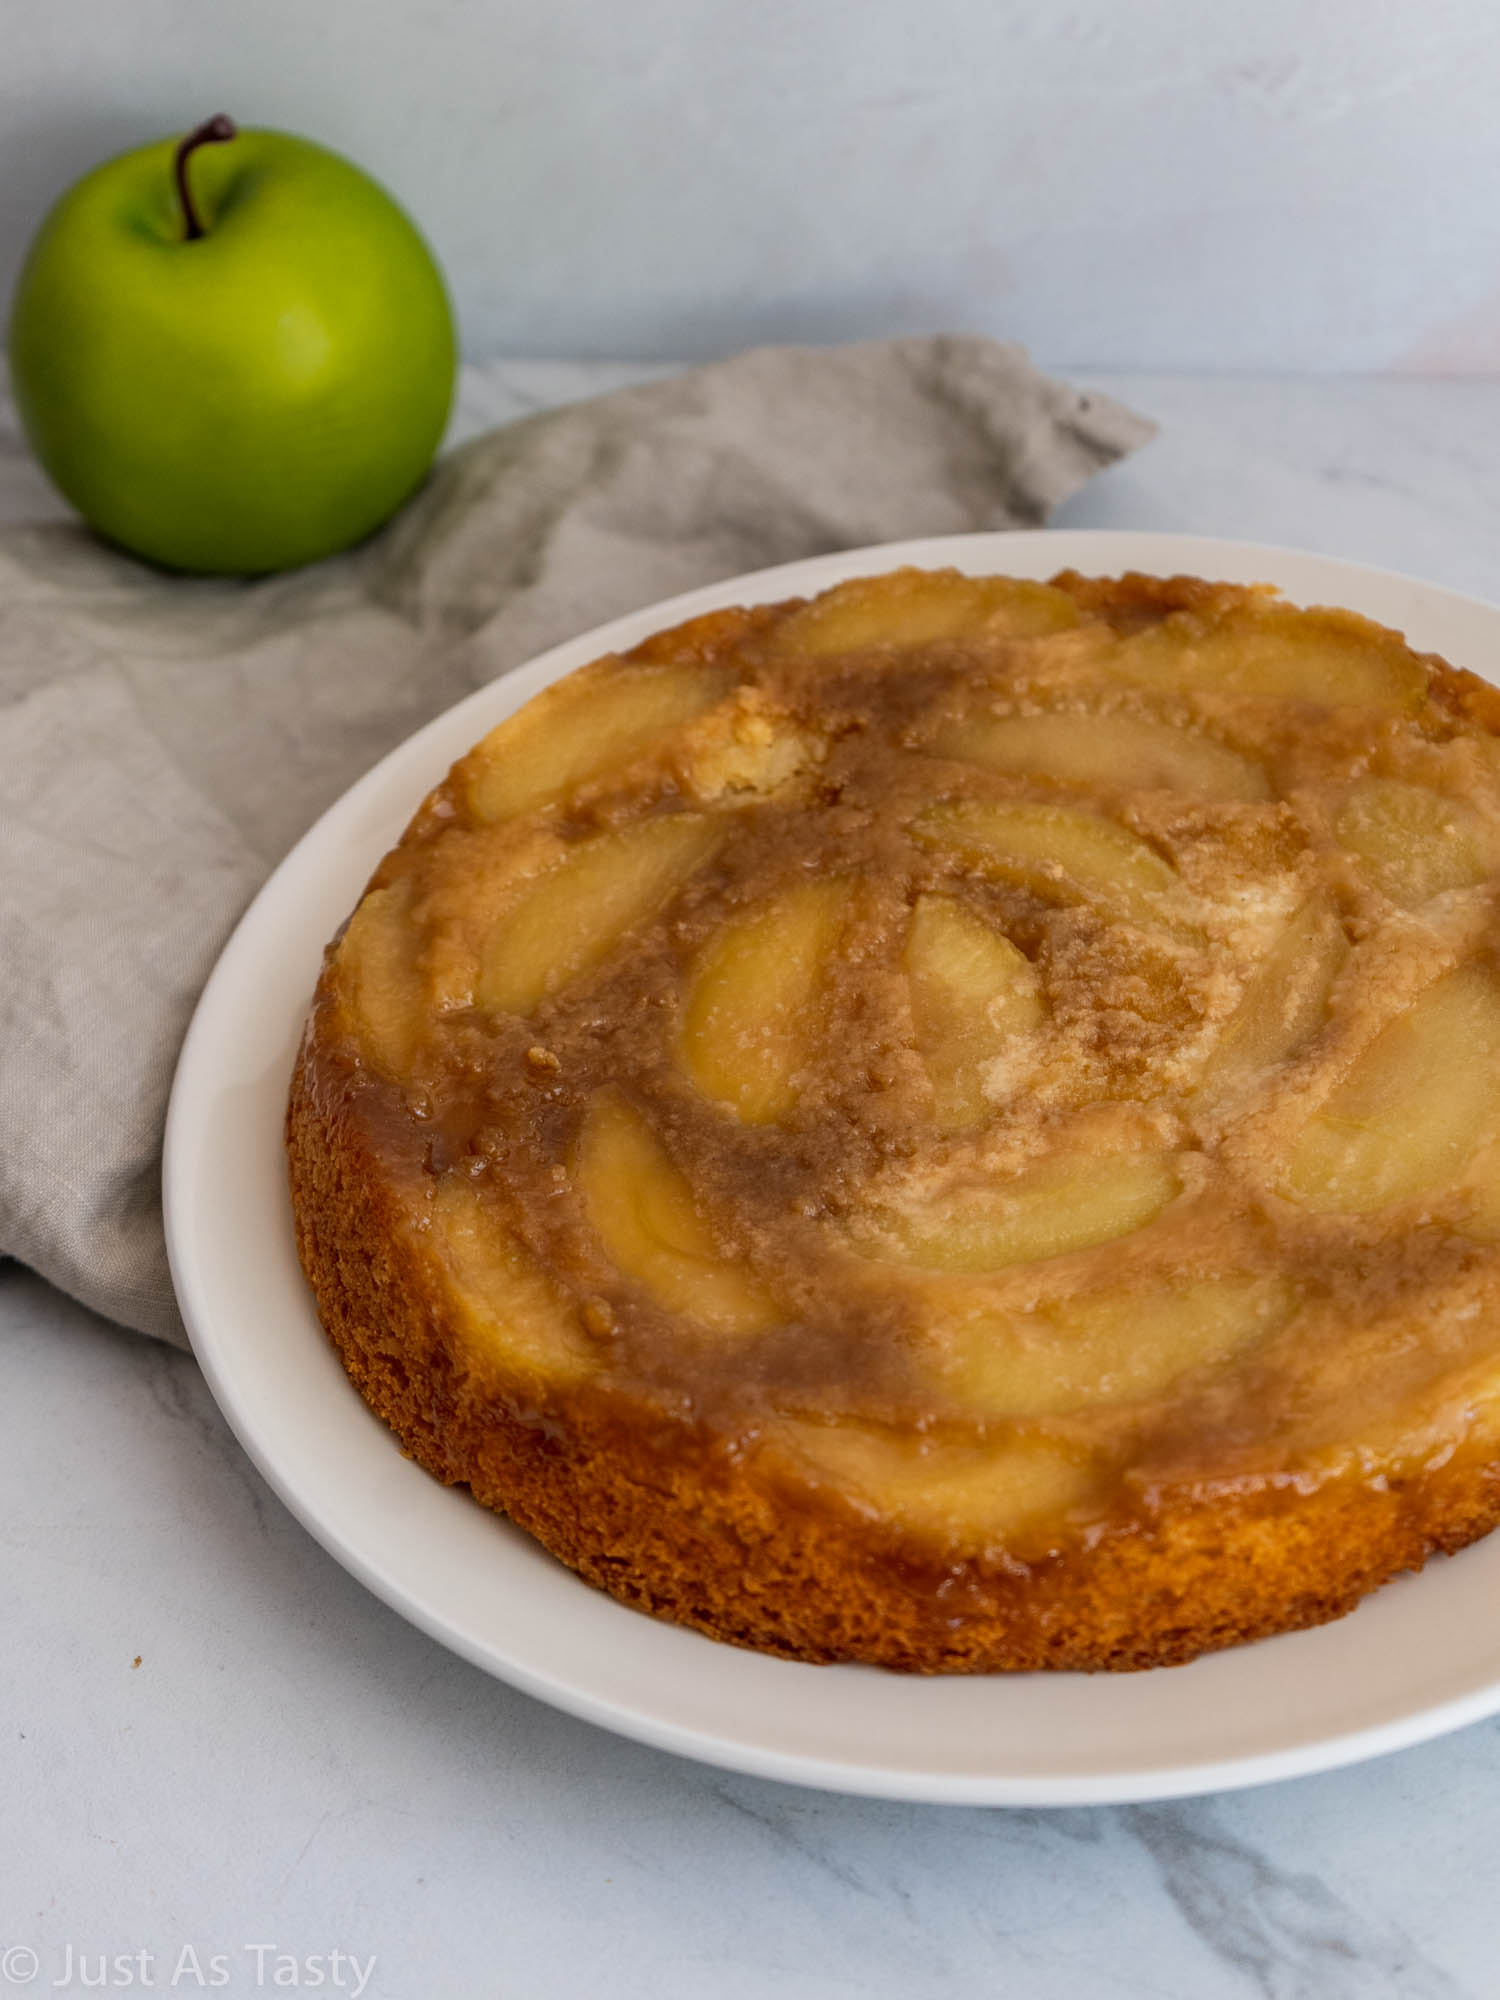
(166, 739)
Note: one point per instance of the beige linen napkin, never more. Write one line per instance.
(164, 740)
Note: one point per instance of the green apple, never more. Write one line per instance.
(233, 353)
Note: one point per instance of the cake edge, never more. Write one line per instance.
(747, 1559)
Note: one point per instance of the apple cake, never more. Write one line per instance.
(951, 1124)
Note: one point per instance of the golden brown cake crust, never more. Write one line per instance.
(691, 1494)
(654, 1516)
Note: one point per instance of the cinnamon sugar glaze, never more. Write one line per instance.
(951, 1125)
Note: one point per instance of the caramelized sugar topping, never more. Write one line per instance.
(1000, 1051)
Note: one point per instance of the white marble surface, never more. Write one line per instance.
(289, 1766)
(1242, 184)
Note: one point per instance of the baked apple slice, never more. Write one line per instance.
(972, 994)
(912, 607)
(643, 1211)
(1412, 843)
(750, 1019)
(1414, 1107)
(378, 980)
(516, 1315)
(1284, 1002)
(1125, 752)
(986, 1491)
(1333, 658)
(598, 719)
(1109, 1347)
(1070, 1200)
(569, 918)
(1060, 852)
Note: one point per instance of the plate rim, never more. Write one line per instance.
(1106, 550)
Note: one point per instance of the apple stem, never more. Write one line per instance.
(211, 132)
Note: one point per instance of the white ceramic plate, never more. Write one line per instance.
(1421, 1657)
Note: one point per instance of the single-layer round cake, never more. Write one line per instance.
(950, 1125)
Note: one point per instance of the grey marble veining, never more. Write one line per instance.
(290, 1764)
